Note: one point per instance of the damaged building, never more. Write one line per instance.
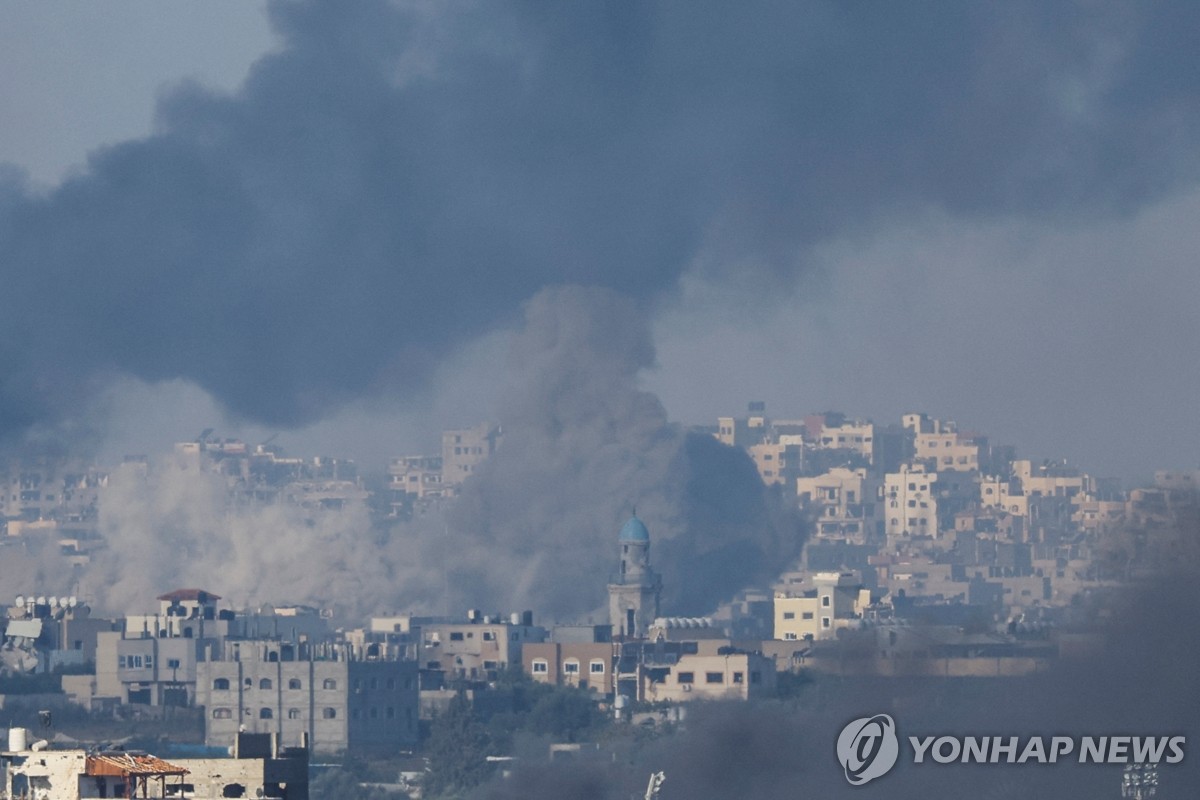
(260, 768)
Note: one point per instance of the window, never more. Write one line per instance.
(739, 677)
(329, 713)
(149, 662)
(489, 636)
(221, 685)
(293, 713)
(789, 615)
(540, 666)
(456, 636)
(121, 662)
(222, 713)
(825, 623)
(265, 683)
(714, 677)
(687, 677)
(789, 636)
(596, 667)
(825, 601)
(807, 615)
(172, 663)
(266, 713)
(329, 683)
(294, 683)
(571, 666)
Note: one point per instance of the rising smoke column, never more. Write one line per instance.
(535, 527)
(583, 446)
(397, 178)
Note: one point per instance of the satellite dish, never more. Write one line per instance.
(20, 600)
(53, 601)
(72, 601)
(41, 601)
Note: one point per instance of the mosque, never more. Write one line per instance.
(633, 591)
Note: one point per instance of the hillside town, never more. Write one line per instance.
(931, 552)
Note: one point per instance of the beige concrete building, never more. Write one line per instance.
(941, 447)
(258, 769)
(413, 479)
(587, 665)
(836, 600)
(910, 503)
(846, 503)
(854, 435)
(479, 648)
(463, 450)
(735, 676)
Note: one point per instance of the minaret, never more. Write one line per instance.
(634, 590)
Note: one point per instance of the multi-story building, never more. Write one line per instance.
(478, 649)
(587, 665)
(727, 676)
(463, 450)
(845, 502)
(152, 661)
(910, 503)
(837, 600)
(413, 479)
(328, 695)
(941, 447)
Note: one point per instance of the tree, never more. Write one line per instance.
(457, 749)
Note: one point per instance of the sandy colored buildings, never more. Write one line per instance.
(836, 600)
(846, 501)
(259, 768)
(587, 665)
(729, 676)
(478, 649)
(463, 450)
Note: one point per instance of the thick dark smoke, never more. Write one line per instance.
(583, 447)
(536, 526)
(398, 178)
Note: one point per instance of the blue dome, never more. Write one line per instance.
(634, 531)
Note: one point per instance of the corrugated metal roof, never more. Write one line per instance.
(126, 764)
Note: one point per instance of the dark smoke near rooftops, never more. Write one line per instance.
(397, 179)
(535, 528)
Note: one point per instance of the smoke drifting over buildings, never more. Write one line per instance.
(533, 529)
(582, 446)
(394, 180)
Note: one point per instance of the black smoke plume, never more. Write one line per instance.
(397, 178)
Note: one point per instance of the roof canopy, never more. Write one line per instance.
(121, 765)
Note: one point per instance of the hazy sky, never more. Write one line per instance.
(984, 212)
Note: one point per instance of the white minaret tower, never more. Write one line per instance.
(634, 589)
